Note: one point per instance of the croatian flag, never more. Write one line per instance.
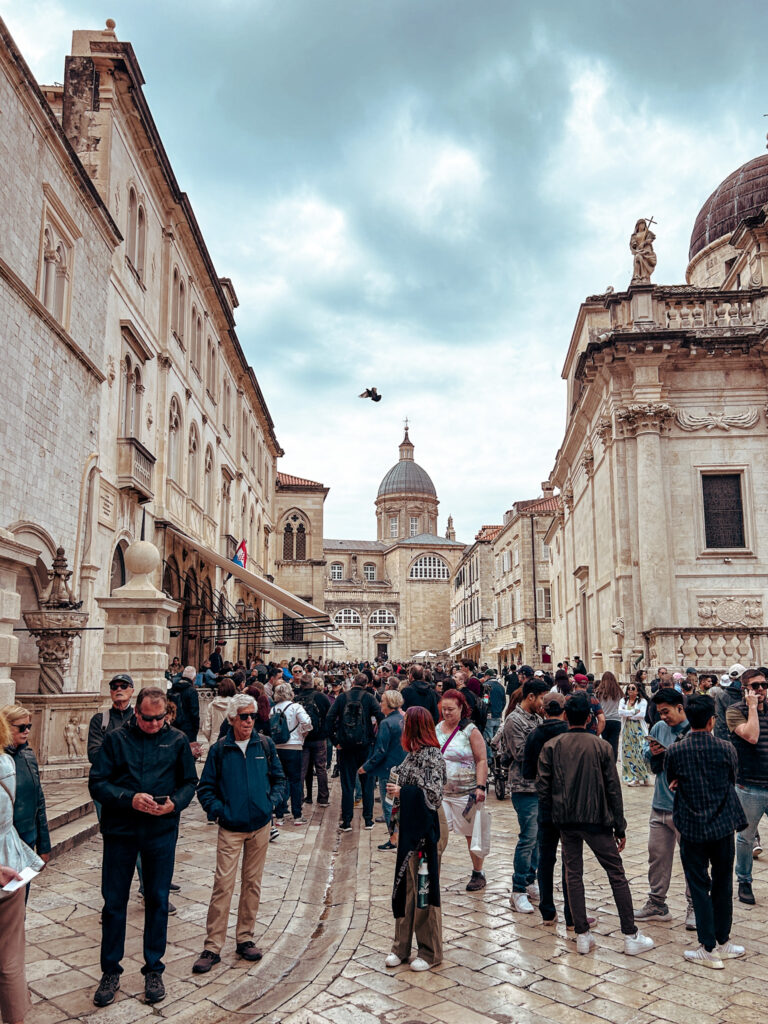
(241, 558)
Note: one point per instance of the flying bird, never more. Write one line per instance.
(371, 393)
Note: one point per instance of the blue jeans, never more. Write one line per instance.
(526, 862)
(118, 865)
(291, 760)
(491, 728)
(754, 800)
(386, 808)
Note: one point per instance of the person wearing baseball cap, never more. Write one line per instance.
(729, 694)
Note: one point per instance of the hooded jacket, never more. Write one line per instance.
(419, 694)
(183, 693)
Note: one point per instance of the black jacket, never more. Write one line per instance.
(371, 710)
(306, 695)
(239, 790)
(419, 694)
(29, 815)
(131, 761)
(96, 731)
(183, 693)
(548, 729)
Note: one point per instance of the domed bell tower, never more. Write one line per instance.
(406, 505)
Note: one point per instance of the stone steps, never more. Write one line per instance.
(71, 816)
(73, 832)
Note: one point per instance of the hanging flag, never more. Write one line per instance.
(241, 558)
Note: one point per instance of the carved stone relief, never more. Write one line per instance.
(647, 416)
(730, 611)
(717, 420)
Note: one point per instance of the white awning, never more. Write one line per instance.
(284, 600)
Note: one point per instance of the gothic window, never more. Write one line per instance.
(245, 434)
(301, 543)
(393, 526)
(117, 575)
(57, 253)
(226, 501)
(337, 571)
(178, 313)
(413, 530)
(347, 617)
(194, 464)
(252, 531)
(226, 415)
(369, 572)
(131, 400)
(287, 543)
(209, 498)
(174, 444)
(723, 510)
(130, 237)
(141, 241)
(197, 339)
(243, 519)
(429, 567)
(211, 385)
(382, 617)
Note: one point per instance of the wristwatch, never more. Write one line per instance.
(481, 786)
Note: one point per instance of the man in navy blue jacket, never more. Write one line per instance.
(242, 781)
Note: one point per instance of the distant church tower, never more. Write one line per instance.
(406, 505)
(450, 533)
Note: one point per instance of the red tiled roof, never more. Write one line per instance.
(287, 480)
(552, 503)
(487, 532)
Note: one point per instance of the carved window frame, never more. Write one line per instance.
(56, 261)
(744, 470)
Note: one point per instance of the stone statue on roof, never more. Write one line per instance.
(641, 247)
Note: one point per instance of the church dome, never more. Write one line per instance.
(407, 476)
(742, 193)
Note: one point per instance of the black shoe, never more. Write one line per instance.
(205, 962)
(171, 909)
(387, 846)
(154, 989)
(105, 993)
(345, 826)
(745, 893)
(174, 887)
(368, 824)
(248, 951)
(307, 799)
(335, 773)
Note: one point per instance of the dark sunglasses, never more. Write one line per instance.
(759, 686)
(152, 718)
(247, 716)
(120, 686)
(24, 728)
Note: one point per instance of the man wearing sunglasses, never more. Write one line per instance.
(748, 723)
(241, 784)
(143, 776)
(114, 717)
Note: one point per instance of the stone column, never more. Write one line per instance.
(136, 634)
(646, 422)
(14, 557)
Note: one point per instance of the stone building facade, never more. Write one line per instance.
(659, 552)
(472, 598)
(521, 584)
(391, 597)
(131, 407)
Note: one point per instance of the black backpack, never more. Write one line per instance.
(479, 715)
(353, 730)
(278, 727)
(308, 703)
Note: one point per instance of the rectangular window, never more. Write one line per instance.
(393, 525)
(517, 555)
(518, 603)
(495, 615)
(545, 551)
(544, 602)
(414, 526)
(723, 510)
(505, 562)
(369, 572)
(337, 571)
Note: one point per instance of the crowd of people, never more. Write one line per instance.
(426, 739)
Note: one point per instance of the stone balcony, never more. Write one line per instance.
(135, 468)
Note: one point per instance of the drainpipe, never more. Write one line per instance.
(535, 609)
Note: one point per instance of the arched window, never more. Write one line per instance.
(126, 419)
(194, 348)
(369, 572)
(55, 273)
(226, 502)
(301, 543)
(211, 368)
(337, 571)
(245, 434)
(226, 412)
(288, 543)
(175, 301)
(193, 473)
(141, 241)
(130, 235)
(382, 617)
(181, 314)
(347, 617)
(62, 276)
(429, 567)
(209, 497)
(252, 531)
(243, 519)
(117, 575)
(174, 444)
(294, 539)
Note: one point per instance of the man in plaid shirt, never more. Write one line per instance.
(701, 770)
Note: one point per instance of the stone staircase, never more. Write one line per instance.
(71, 816)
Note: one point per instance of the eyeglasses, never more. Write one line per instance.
(23, 728)
(759, 686)
(247, 716)
(152, 718)
(120, 686)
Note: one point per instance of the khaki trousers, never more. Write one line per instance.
(254, 849)
(427, 923)
(14, 995)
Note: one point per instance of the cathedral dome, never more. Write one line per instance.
(406, 476)
(742, 193)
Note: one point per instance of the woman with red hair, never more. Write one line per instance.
(466, 762)
(422, 837)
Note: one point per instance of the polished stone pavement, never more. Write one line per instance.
(325, 925)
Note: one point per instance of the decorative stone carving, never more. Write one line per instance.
(641, 247)
(568, 495)
(605, 431)
(717, 420)
(731, 611)
(644, 417)
(56, 625)
(75, 735)
(150, 416)
(588, 461)
(617, 627)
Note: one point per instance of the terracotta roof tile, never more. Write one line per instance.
(549, 504)
(287, 480)
(488, 532)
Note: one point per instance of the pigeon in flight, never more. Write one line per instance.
(371, 393)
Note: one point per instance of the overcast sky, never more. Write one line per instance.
(417, 195)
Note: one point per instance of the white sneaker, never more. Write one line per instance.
(533, 892)
(419, 965)
(393, 960)
(704, 958)
(519, 901)
(585, 943)
(637, 943)
(729, 951)
(690, 920)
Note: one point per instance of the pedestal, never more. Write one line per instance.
(60, 730)
(14, 557)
